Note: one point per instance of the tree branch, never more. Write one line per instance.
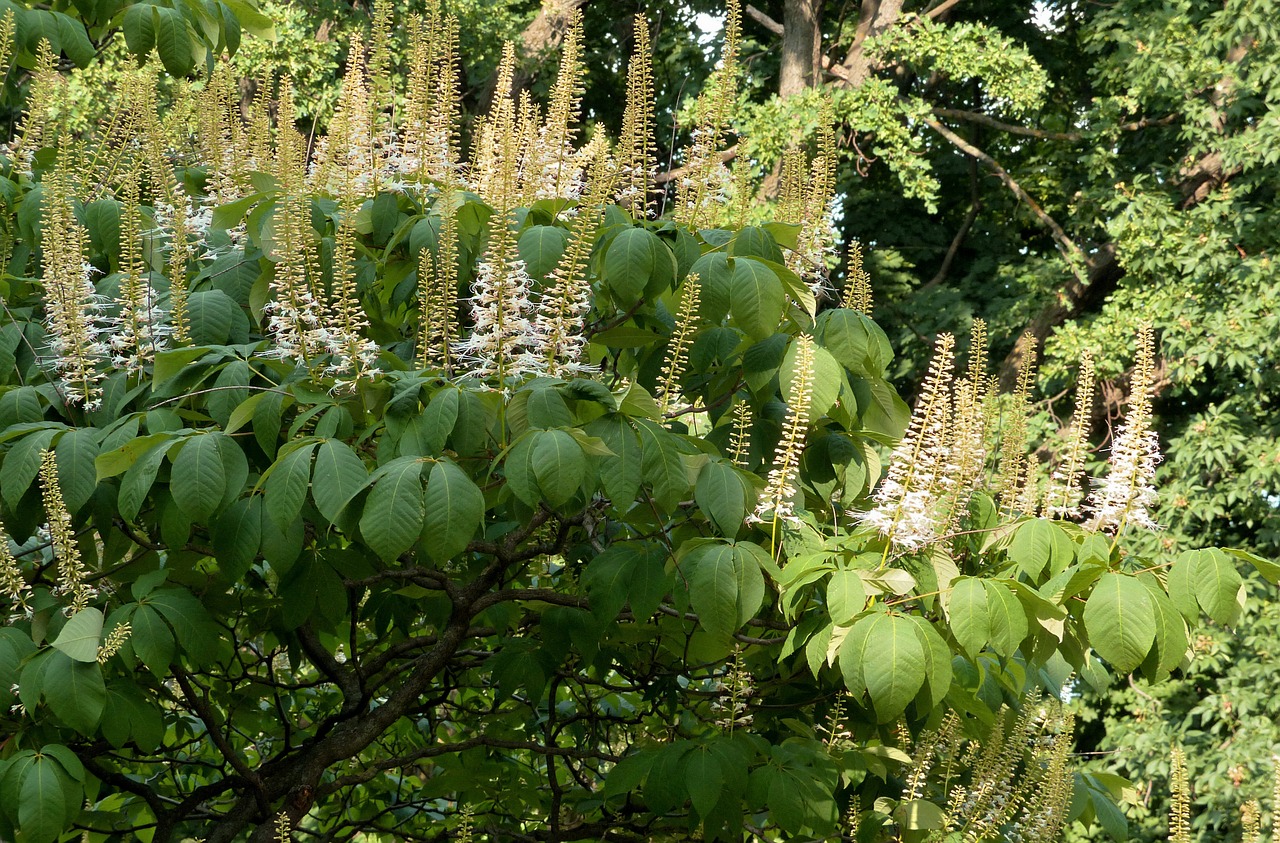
(1043, 134)
(765, 21)
(1074, 255)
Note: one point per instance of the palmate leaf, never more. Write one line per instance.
(75, 692)
(721, 496)
(758, 299)
(629, 263)
(42, 807)
(558, 464)
(339, 475)
(968, 616)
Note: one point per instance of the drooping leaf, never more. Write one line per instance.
(199, 479)
(757, 298)
(454, 511)
(338, 476)
(721, 496)
(42, 807)
(893, 664)
(75, 692)
(285, 490)
(558, 464)
(726, 586)
(846, 596)
(393, 512)
(1120, 621)
(968, 615)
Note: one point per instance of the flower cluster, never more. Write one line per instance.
(778, 501)
(74, 311)
(1127, 495)
(503, 341)
(13, 584)
(71, 571)
(907, 509)
(1063, 497)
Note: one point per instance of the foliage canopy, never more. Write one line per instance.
(357, 489)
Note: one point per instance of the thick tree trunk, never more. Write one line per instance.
(801, 46)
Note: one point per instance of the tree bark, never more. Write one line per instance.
(875, 17)
(801, 46)
(543, 35)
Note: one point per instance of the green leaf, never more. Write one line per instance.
(1171, 633)
(558, 465)
(846, 596)
(80, 636)
(661, 464)
(1120, 621)
(546, 409)
(193, 628)
(938, 671)
(540, 248)
(751, 241)
(237, 536)
(857, 342)
(721, 496)
(199, 479)
(1039, 543)
(454, 511)
(77, 474)
(439, 418)
(620, 473)
(139, 31)
(726, 586)
(286, 489)
(921, 815)
(757, 300)
(338, 477)
(625, 336)
(968, 616)
(626, 573)
(22, 464)
(716, 280)
(151, 639)
(630, 262)
(1269, 570)
(42, 807)
(118, 460)
(824, 385)
(71, 765)
(75, 692)
(393, 512)
(1219, 587)
(211, 314)
(1008, 619)
(173, 42)
(170, 364)
(893, 665)
(704, 778)
(140, 476)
